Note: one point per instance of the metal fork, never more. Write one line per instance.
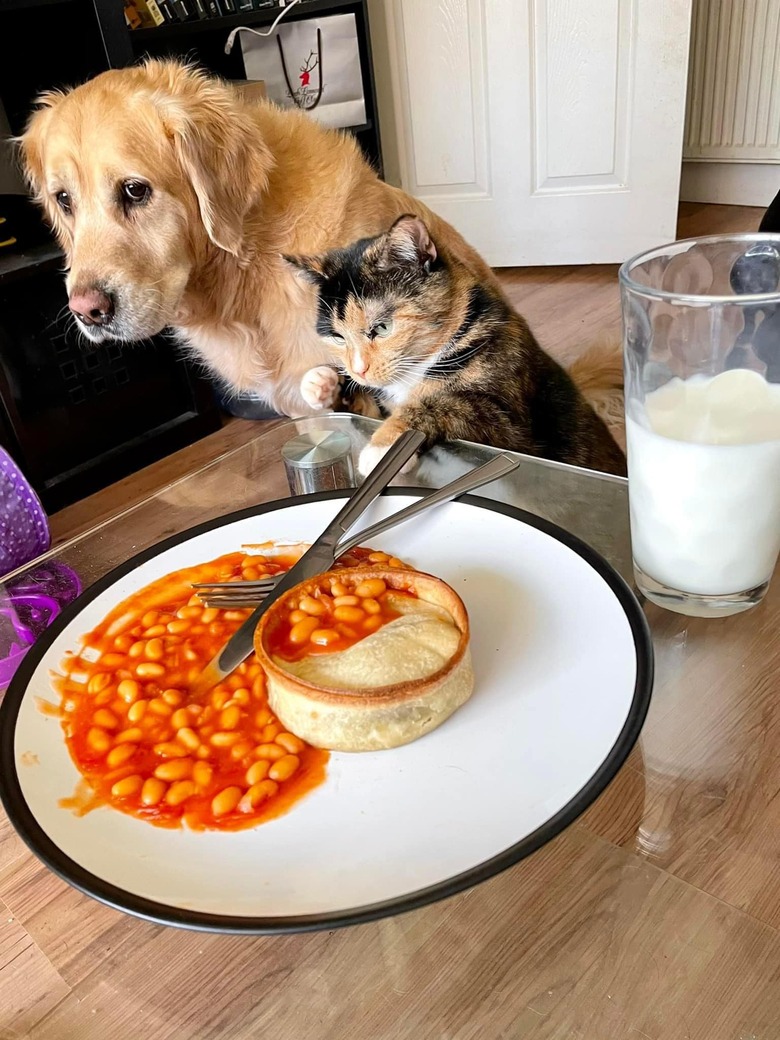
(234, 594)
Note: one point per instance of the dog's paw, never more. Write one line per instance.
(374, 453)
(320, 387)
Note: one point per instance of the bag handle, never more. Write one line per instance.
(318, 98)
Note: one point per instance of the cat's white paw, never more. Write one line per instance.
(320, 387)
(374, 453)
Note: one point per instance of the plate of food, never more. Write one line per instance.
(428, 713)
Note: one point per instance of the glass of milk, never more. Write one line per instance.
(701, 323)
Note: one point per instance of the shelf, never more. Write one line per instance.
(264, 16)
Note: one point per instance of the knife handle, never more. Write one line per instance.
(379, 477)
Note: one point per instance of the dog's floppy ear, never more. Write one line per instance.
(31, 151)
(219, 148)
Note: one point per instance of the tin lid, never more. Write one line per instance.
(318, 448)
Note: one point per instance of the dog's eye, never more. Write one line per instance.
(136, 192)
(62, 198)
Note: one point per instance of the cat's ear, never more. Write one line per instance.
(309, 266)
(408, 242)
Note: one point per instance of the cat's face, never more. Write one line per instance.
(383, 304)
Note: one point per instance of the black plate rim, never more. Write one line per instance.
(68, 870)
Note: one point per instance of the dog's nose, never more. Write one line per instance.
(92, 306)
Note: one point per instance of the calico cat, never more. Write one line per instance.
(445, 353)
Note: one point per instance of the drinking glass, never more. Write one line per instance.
(701, 324)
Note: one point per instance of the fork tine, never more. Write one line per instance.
(232, 604)
(225, 586)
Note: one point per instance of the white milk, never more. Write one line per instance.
(704, 482)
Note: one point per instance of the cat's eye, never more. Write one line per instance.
(335, 338)
(382, 329)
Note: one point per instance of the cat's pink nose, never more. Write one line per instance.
(359, 365)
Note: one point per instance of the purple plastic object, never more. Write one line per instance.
(24, 528)
(27, 608)
(28, 604)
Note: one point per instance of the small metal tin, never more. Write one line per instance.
(318, 461)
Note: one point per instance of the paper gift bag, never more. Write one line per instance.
(313, 64)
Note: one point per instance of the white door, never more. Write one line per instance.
(546, 131)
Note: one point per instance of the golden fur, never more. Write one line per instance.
(235, 185)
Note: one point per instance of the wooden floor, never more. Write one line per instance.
(567, 307)
(561, 960)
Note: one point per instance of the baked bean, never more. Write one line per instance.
(242, 696)
(155, 631)
(127, 787)
(177, 628)
(224, 739)
(137, 649)
(234, 615)
(119, 755)
(372, 623)
(112, 660)
(150, 618)
(155, 650)
(348, 614)
(258, 686)
(181, 718)
(257, 771)
(371, 606)
(346, 601)
(105, 718)
(189, 612)
(297, 615)
(270, 732)
(378, 557)
(226, 801)
(179, 792)
(326, 601)
(105, 697)
(128, 690)
(290, 743)
(324, 636)
(230, 717)
(370, 588)
(338, 588)
(300, 633)
(219, 699)
(128, 736)
(284, 768)
(123, 643)
(188, 737)
(172, 697)
(209, 614)
(250, 574)
(152, 791)
(158, 706)
(167, 749)
(395, 562)
(98, 740)
(149, 670)
(258, 793)
(202, 774)
(347, 632)
(313, 606)
(137, 711)
(240, 750)
(98, 682)
(175, 769)
(271, 752)
(262, 717)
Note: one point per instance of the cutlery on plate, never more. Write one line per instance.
(319, 558)
(233, 594)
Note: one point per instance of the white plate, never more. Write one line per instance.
(563, 664)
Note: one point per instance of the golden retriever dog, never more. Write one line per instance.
(175, 199)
